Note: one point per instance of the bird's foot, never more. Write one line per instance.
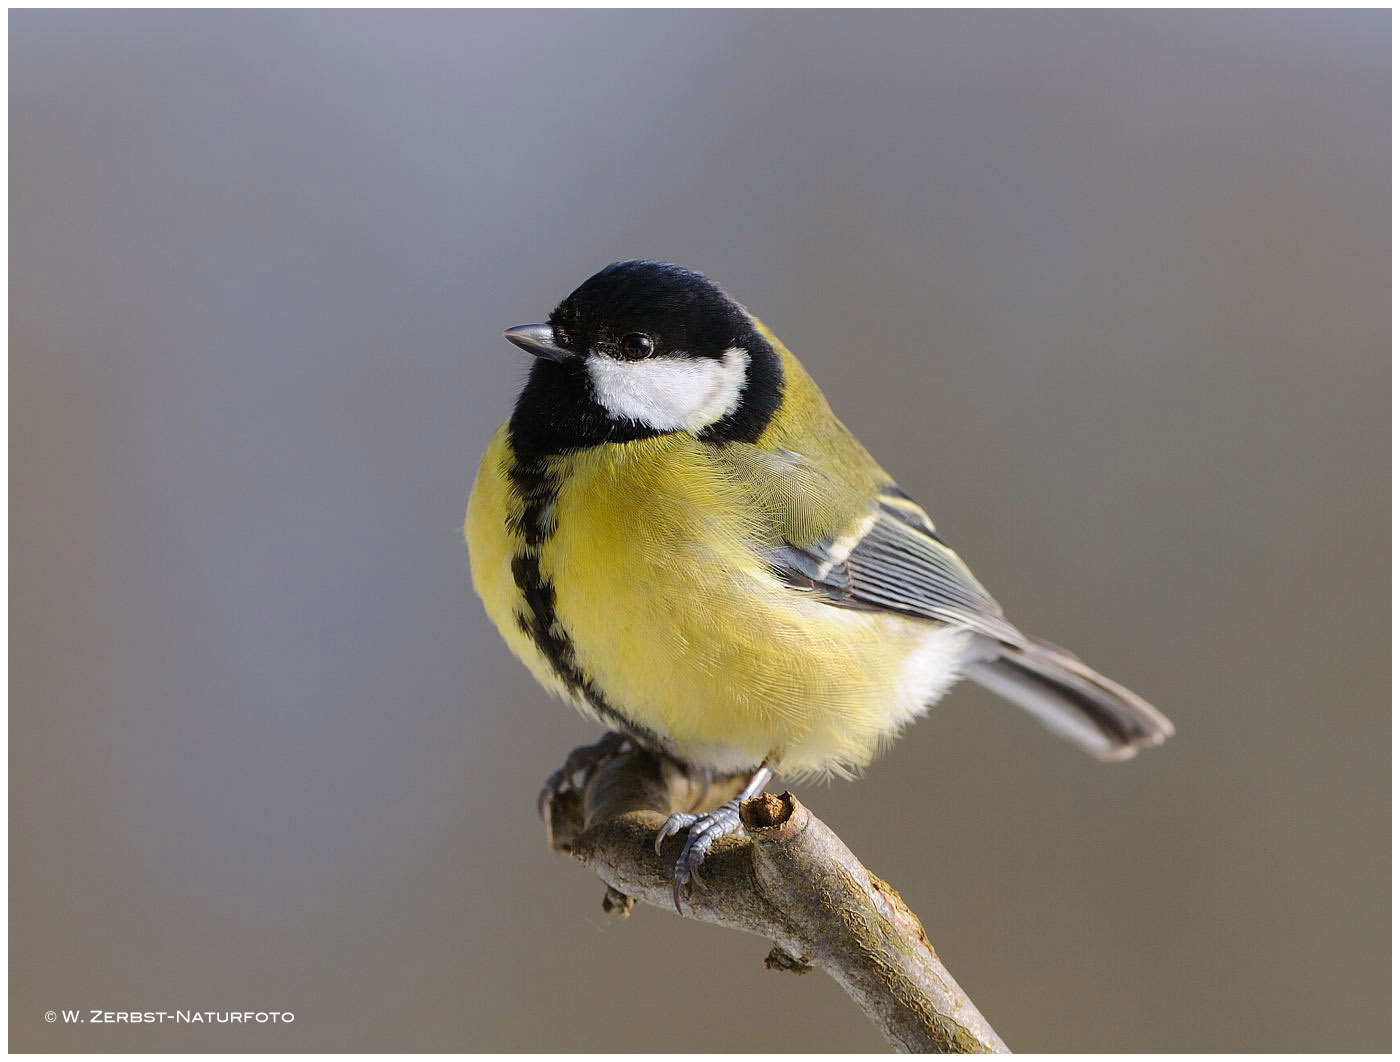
(702, 831)
(579, 766)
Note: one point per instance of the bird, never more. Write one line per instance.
(676, 535)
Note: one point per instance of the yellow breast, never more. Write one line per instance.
(671, 614)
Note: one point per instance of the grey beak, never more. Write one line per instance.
(537, 339)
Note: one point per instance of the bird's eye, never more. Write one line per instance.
(636, 345)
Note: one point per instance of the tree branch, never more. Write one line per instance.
(788, 879)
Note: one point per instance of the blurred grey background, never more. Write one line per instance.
(1109, 292)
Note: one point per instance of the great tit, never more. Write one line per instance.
(677, 536)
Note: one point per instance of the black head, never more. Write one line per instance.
(644, 348)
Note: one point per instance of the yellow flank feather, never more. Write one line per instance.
(673, 613)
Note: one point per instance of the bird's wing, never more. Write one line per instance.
(862, 548)
(859, 541)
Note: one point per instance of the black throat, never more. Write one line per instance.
(557, 413)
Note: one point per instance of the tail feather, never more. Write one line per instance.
(1071, 698)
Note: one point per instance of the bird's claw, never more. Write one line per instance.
(702, 831)
(672, 826)
(579, 766)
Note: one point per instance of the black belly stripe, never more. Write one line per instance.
(539, 620)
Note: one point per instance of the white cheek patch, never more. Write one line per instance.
(671, 394)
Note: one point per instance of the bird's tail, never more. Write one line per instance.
(1071, 698)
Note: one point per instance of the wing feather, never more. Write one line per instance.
(901, 568)
(871, 549)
